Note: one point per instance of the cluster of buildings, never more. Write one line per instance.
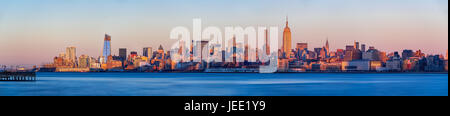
(69, 62)
(354, 58)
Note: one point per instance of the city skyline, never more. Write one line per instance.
(18, 42)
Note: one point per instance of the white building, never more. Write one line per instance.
(359, 65)
(394, 65)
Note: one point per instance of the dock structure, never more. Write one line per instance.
(18, 76)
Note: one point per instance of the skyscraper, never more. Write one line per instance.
(357, 46)
(202, 45)
(123, 53)
(191, 51)
(106, 47)
(147, 52)
(234, 51)
(267, 43)
(327, 49)
(287, 40)
(246, 53)
(363, 47)
(71, 53)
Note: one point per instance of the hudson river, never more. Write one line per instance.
(232, 84)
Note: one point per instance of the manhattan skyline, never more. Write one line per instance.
(33, 33)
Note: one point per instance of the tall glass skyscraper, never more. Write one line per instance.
(106, 48)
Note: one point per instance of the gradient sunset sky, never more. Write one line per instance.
(35, 31)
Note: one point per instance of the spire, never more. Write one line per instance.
(160, 47)
(287, 21)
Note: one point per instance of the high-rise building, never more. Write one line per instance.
(363, 47)
(147, 52)
(106, 48)
(203, 44)
(287, 40)
(71, 53)
(123, 53)
(319, 52)
(357, 46)
(302, 46)
(267, 43)
(234, 51)
(191, 51)
(446, 55)
(351, 53)
(160, 49)
(84, 61)
(327, 49)
(246, 53)
(406, 54)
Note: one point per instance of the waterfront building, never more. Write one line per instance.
(394, 65)
(375, 65)
(413, 64)
(59, 62)
(351, 53)
(356, 65)
(434, 64)
(113, 64)
(62, 69)
(83, 61)
(371, 55)
(95, 65)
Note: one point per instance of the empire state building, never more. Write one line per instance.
(287, 41)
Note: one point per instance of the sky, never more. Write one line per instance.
(35, 31)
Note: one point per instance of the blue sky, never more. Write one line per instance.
(34, 31)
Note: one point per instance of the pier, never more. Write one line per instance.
(17, 76)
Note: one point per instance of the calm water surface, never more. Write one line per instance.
(201, 84)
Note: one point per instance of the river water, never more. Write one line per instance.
(228, 84)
